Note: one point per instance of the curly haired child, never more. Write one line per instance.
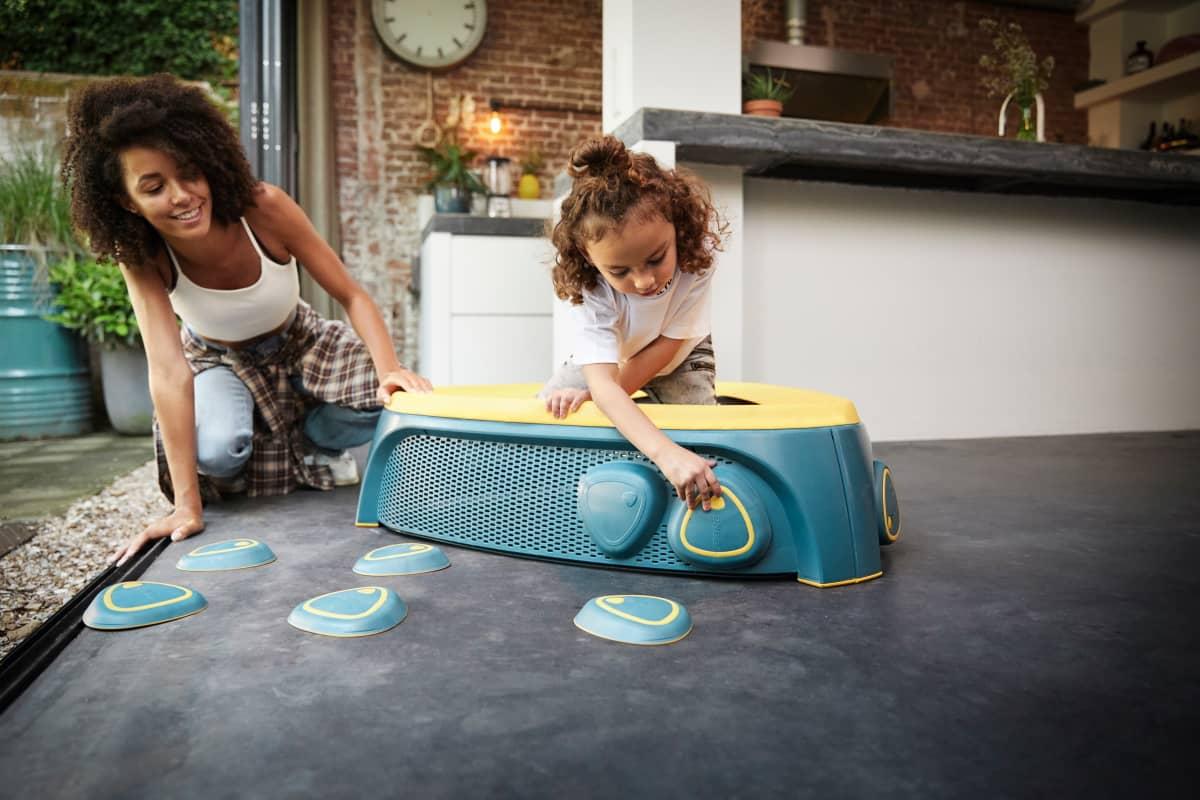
(255, 387)
(634, 257)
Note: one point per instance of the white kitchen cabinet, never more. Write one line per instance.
(486, 301)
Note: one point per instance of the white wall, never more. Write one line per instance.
(946, 315)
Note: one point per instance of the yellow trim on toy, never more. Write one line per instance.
(335, 615)
(770, 408)
(887, 517)
(241, 544)
(719, 553)
(111, 606)
(863, 579)
(416, 549)
(366, 524)
(603, 602)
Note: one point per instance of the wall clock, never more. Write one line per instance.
(435, 34)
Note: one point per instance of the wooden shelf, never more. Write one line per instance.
(1161, 83)
(1102, 8)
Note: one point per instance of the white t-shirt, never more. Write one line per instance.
(610, 326)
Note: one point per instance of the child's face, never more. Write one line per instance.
(174, 199)
(636, 258)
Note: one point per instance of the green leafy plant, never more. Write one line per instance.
(93, 301)
(450, 166)
(1014, 67)
(765, 86)
(34, 207)
(533, 162)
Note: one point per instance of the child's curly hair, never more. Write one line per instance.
(161, 112)
(613, 186)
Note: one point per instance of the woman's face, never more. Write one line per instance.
(636, 258)
(174, 199)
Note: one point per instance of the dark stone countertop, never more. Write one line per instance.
(802, 149)
(474, 225)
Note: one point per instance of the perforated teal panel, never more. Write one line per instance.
(506, 496)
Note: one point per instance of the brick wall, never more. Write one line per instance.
(936, 45)
(548, 52)
(534, 53)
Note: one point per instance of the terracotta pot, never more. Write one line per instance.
(763, 108)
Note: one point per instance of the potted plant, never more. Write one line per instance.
(529, 187)
(1015, 74)
(764, 94)
(451, 182)
(93, 302)
(45, 388)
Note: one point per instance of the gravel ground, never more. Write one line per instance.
(40, 576)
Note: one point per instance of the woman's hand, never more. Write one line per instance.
(691, 475)
(403, 379)
(179, 525)
(562, 402)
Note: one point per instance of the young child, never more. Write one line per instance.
(255, 384)
(634, 256)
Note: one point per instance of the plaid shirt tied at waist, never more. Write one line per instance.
(333, 365)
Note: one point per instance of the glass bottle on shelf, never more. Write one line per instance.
(1139, 59)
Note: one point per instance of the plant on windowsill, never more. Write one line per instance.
(1014, 73)
(93, 301)
(451, 182)
(763, 94)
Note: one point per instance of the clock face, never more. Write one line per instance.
(430, 33)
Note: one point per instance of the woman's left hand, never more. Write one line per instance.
(404, 380)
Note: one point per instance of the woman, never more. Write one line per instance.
(256, 392)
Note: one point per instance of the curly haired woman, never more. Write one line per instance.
(255, 390)
(634, 257)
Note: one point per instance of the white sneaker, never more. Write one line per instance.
(343, 466)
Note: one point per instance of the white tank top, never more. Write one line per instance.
(234, 315)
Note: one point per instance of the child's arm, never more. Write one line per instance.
(637, 372)
(690, 474)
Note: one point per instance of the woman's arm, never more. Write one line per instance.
(283, 218)
(171, 391)
(690, 474)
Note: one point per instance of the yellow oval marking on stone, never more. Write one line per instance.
(720, 553)
(717, 503)
(607, 602)
(416, 549)
(111, 606)
(308, 605)
(241, 545)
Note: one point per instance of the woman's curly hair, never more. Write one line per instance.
(161, 112)
(613, 186)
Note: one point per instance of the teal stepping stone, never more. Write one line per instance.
(136, 604)
(350, 612)
(229, 554)
(406, 558)
(635, 619)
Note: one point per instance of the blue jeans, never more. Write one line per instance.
(225, 419)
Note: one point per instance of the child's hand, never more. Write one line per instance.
(691, 475)
(562, 402)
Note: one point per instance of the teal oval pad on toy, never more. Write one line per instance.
(621, 504)
(229, 554)
(350, 612)
(136, 604)
(634, 619)
(406, 558)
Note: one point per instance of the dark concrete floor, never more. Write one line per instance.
(1034, 635)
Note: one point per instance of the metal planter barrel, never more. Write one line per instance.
(44, 385)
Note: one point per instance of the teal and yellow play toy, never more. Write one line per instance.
(634, 619)
(406, 558)
(229, 554)
(350, 612)
(487, 467)
(136, 604)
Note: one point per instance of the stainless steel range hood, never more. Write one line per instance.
(829, 84)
